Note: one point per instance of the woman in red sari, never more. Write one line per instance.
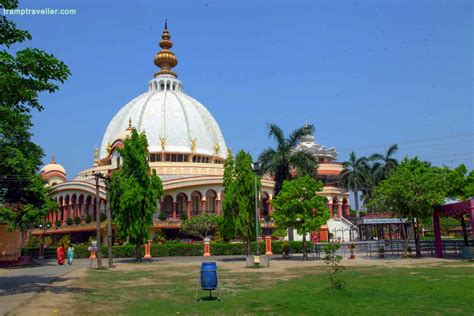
(60, 255)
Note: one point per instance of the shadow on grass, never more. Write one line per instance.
(34, 284)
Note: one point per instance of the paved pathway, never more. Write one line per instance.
(18, 285)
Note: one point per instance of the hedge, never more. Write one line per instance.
(171, 249)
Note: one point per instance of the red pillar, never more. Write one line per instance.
(331, 210)
(437, 235)
(218, 207)
(472, 218)
(339, 210)
(174, 210)
(270, 208)
(203, 205)
(347, 211)
(188, 208)
(268, 245)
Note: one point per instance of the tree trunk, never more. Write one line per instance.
(417, 238)
(291, 235)
(356, 202)
(138, 252)
(405, 237)
(248, 248)
(305, 253)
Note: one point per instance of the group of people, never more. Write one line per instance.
(60, 254)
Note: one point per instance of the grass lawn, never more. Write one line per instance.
(442, 289)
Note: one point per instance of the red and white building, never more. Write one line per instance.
(187, 150)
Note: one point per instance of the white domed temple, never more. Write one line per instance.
(187, 150)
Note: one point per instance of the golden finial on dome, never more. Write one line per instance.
(53, 160)
(163, 143)
(166, 59)
(216, 149)
(96, 156)
(109, 148)
(129, 128)
(193, 145)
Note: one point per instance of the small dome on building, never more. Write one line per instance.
(53, 173)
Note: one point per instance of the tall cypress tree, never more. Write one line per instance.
(134, 192)
(239, 198)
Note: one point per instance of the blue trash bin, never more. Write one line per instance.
(209, 276)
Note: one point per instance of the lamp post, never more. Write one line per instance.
(256, 169)
(99, 176)
(44, 227)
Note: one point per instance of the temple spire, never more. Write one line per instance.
(165, 59)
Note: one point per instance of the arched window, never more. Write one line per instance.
(181, 203)
(211, 201)
(196, 202)
(265, 205)
(168, 206)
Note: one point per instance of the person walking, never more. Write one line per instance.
(70, 254)
(60, 254)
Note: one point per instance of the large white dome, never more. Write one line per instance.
(165, 112)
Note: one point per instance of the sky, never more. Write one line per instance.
(367, 74)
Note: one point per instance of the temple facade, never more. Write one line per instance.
(186, 149)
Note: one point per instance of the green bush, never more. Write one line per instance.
(69, 221)
(162, 216)
(33, 242)
(77, 220)
(103, 217)
(184, 216)
(88, 218)
(171, 248)
(58, 223)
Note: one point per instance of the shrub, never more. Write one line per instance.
(33, 242)
(77, 220)
(65, 241)
(58, 223)
(162, 216)
(166, 249)
(69, 221)
(103, 217)
(88, 218)
(184, 216)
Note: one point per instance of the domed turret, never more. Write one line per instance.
(53, 173)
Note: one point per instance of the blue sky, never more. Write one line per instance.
(366, 73)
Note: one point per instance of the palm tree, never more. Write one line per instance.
(283, 162)
(354, 175)
(388, 163)
(372, 177)
(280, 161)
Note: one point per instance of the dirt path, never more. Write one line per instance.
(54, 300)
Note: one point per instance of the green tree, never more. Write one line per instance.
(229, 204)
(460, 183)
(24, 74)
(202, 226)
(279, 161)
(353, 177)
(134, 192)
(412, 191)
(386, 162)
(300, 207)
(239, 199)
